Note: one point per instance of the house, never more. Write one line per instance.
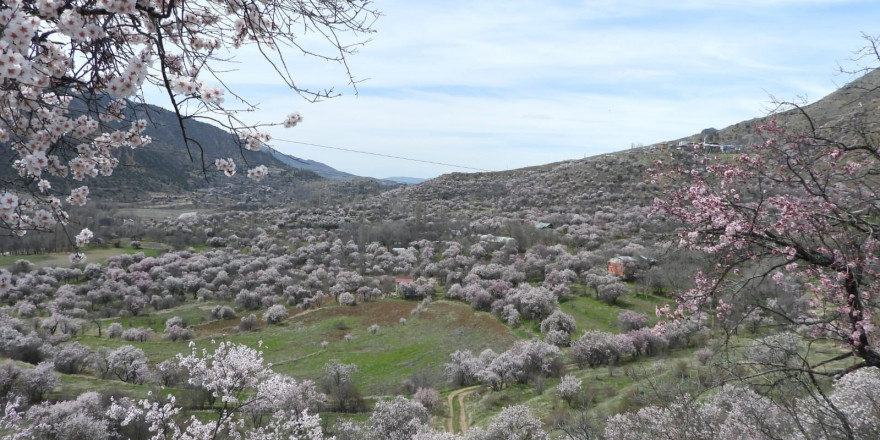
(543, 225)
(622, 266)
(405, 286)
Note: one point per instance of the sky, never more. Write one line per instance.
(496, 85)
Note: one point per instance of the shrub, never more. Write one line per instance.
(346, 299)
(558, 338)
(222, 312)
(558, 320)
(629, 320)
(177, 333)
(775, 349)
(114, 330)
(428, 397)
(70, 358)
(596, 348)
(275, 314)
(609, 293)
(647, 343)
(128, 363)
(569, 387)
(248, 322)
(137, 334)
(704, 355)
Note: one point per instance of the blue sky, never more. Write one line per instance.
(506, 84)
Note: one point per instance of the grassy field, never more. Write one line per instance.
(396, 352)
(93, 255)
(592, 314)
(385, 359)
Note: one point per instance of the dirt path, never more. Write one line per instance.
(459, 395)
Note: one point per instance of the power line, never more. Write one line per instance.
(381, 155)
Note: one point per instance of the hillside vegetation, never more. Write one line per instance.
(521, 301)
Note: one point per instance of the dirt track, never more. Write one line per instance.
(460, 395)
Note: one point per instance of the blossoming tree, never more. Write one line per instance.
(70, 72)
(798, 212)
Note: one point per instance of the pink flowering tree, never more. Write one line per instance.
(70, 72)
(801, 206)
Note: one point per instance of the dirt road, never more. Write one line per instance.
(461, 414)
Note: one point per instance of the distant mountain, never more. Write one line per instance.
(318, 168)
(405, 180)
(166, 165)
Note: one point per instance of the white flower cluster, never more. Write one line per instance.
(258, 173)
(84, 237)
(125, 85)
(254, 140)
(44, 219)
(226, 165)
(189, 86)
(292, 120)
(78, 196)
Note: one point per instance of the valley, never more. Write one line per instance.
(567, 300)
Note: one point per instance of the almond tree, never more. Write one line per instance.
(804, 204)
(70, 71)
(799, 212)
(569, 387)
(237, 376)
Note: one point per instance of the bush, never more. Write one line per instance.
(775, 349)
(595, 348)
(704, 355)
(647, 343)
(609, 293)
(137, 334)
(248, 322)
(114, 330)
(128, 363)
(558, 320)
(70, 358)
(177, 333)
(222, 312)
(275, 314)
(34, 383)
(569, 387)
(346, 299)
(559, 338)
(629, 320)
(428, 397)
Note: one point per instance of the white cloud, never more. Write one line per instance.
(501, 84)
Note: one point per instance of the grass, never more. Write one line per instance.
(194, 313)
(93, 254)
(385, 359)
(396, 352)
(72, 385)
(592, 314)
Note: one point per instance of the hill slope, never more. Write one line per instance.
(167, 164)
(318, 168)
